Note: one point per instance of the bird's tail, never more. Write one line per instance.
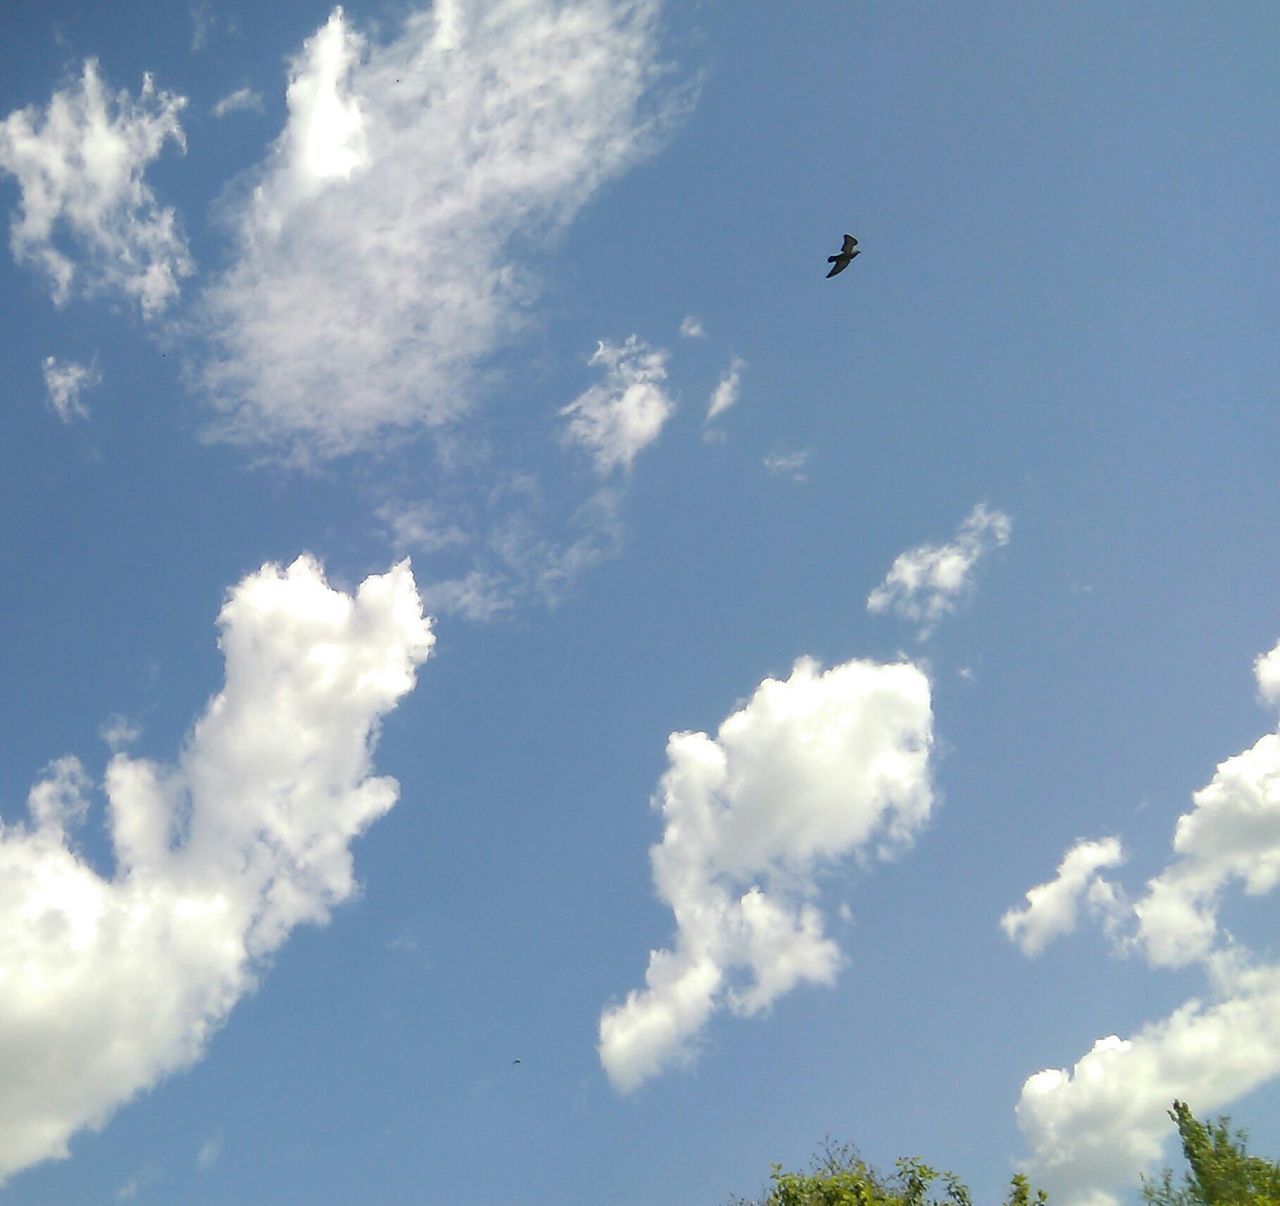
(831, 259)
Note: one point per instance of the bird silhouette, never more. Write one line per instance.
(840, 262)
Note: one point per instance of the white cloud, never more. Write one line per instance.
(811, 770)
(397, 208)
(1266, 669)
(727, 390)
(790, 464)
(1052, 907)
(65, 381)
(79, 165)
(326, 137)
(924, 583)
(617, 420)
(111, 983)
(240, 99)
(1091, 1129)
(516, 562)
(479, 596)
(119, 732)
(691, 327)
(420, 527)
(1232, 833)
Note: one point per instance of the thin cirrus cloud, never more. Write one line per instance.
(1091, 1126)
(113, 982)
(389, 209)
(64, 382)
(925, 583)
(88, 221)
(811, 770)
(617, 419)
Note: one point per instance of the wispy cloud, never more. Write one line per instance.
(202, 21)
(788, 464)
(1090, 1127)
(811, 770)
(147, 1175)
(119, 732)
(237, 101)
(617, 419)
(65, 381)
(727, 390)
(387, 209)
(691, 327)
(420, 527)
(79, 165)
(110, 983)
(209, 1152)
(926, 582)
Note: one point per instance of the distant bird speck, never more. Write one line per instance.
(840, 262)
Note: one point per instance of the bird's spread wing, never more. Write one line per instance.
(849, 244)
(839, 265)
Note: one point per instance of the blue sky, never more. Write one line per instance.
(407, 673)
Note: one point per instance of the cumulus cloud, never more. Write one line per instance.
(237, 101)
(925, 583)
(1091, 1127)
(1266, 669)
(398, 206)
(1052, 907)
(616, 420)
(65, 381)
(691, 327)
(88, 221)
(113, 982)
(726, 392)
(811, 770)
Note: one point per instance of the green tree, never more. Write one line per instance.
(1220, 1170)
(840, 1177)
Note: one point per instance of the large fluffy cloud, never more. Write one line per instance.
(1093, 1126)
(813, 769)
(108, 983)
(925, 583)
(80, 166)
(380, 247)
(1090, 1128)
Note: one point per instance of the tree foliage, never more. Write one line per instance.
(1220, 1170)
(840, 1177)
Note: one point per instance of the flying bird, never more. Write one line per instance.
(840, 262)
